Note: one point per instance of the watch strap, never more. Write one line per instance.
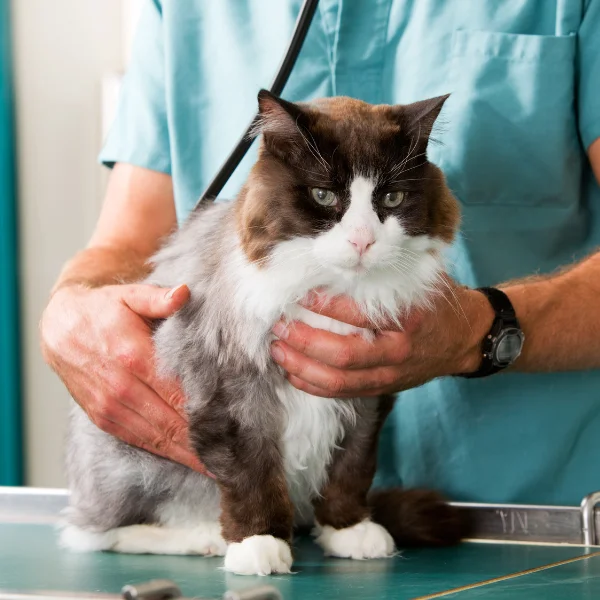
(501, 304)
(505, 317)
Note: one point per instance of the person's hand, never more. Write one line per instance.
(99, 343)
(443, 340)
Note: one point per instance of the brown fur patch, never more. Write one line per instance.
(444, 212)
(257, 510)
(418, 517)
(343, 500)
(246, 460)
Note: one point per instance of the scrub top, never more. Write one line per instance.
(524, 78)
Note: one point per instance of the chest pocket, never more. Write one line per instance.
(510, 136)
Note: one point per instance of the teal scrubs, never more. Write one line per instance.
(525, 82)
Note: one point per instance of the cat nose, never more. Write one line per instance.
(362, 241)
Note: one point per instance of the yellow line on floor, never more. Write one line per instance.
(506, 577)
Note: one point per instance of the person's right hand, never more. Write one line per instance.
(99, 343)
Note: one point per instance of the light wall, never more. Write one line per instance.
(63, 51)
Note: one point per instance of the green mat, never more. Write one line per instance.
(30, 561)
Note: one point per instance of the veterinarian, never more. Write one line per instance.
(521, 150)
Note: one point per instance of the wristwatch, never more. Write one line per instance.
(504, 342)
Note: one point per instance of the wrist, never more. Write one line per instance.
(100, 266)
(480, 316)
(533, 303)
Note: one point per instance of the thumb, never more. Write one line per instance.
(154, 302)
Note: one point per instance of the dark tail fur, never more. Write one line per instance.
(417, 517)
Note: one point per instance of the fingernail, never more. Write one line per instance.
(309, 299)
(211, 475)
(172, 291)
(280, 330)
(277, 353)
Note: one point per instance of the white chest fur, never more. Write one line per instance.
(314, 427)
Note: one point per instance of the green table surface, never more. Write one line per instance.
(31, 561)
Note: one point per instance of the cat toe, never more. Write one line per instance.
(206, 540)
(259, 555)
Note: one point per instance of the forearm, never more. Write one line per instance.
(560, 316)
(103, 265)
(138, 212)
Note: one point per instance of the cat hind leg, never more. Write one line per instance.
(203, 539)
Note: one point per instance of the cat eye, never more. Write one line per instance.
(323, 197)
(393, 199)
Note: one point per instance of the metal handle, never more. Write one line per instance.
(588, 522)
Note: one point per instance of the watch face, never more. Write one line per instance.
(508, 347)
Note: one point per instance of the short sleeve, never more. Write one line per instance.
(589, 73)
(139, 134)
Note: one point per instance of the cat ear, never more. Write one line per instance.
(419, 117)
(278, 117)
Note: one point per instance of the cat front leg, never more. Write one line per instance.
(257, 521)
(241, 448)
(343, 524)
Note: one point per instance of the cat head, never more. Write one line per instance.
(347, 184)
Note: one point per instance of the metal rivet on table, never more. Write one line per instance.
(157, 589)
(264, 592)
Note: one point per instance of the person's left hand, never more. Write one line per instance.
(443, 340)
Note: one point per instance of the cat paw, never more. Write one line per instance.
(206, 540)
(259, 555)
(361, 541)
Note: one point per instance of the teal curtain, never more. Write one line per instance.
(11, 460)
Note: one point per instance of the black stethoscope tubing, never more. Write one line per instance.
(303, 23)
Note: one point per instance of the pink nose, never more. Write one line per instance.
(362, 242)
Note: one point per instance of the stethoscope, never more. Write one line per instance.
(287, 64)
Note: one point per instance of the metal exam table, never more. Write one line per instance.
(517, 552)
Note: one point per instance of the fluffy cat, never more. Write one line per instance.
(343, 199)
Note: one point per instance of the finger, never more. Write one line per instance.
(136, 356)
(171, 393)
(303, 386)
(146, 403)
(340, 308)
(344, 351)
(154, 302)
(333, 380)
(136, 431)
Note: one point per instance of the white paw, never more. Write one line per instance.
(203, 539)
(206, 539)
(259, 555)
(81, 540)
(363, 540)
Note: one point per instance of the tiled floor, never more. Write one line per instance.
(30, 560)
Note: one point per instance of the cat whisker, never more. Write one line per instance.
(411, 168)
(317, 150)
(401, 165)
(415, 179)
(314, 174)
(459, 305)
(313, 149)
(447, 300)
(413, 146)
